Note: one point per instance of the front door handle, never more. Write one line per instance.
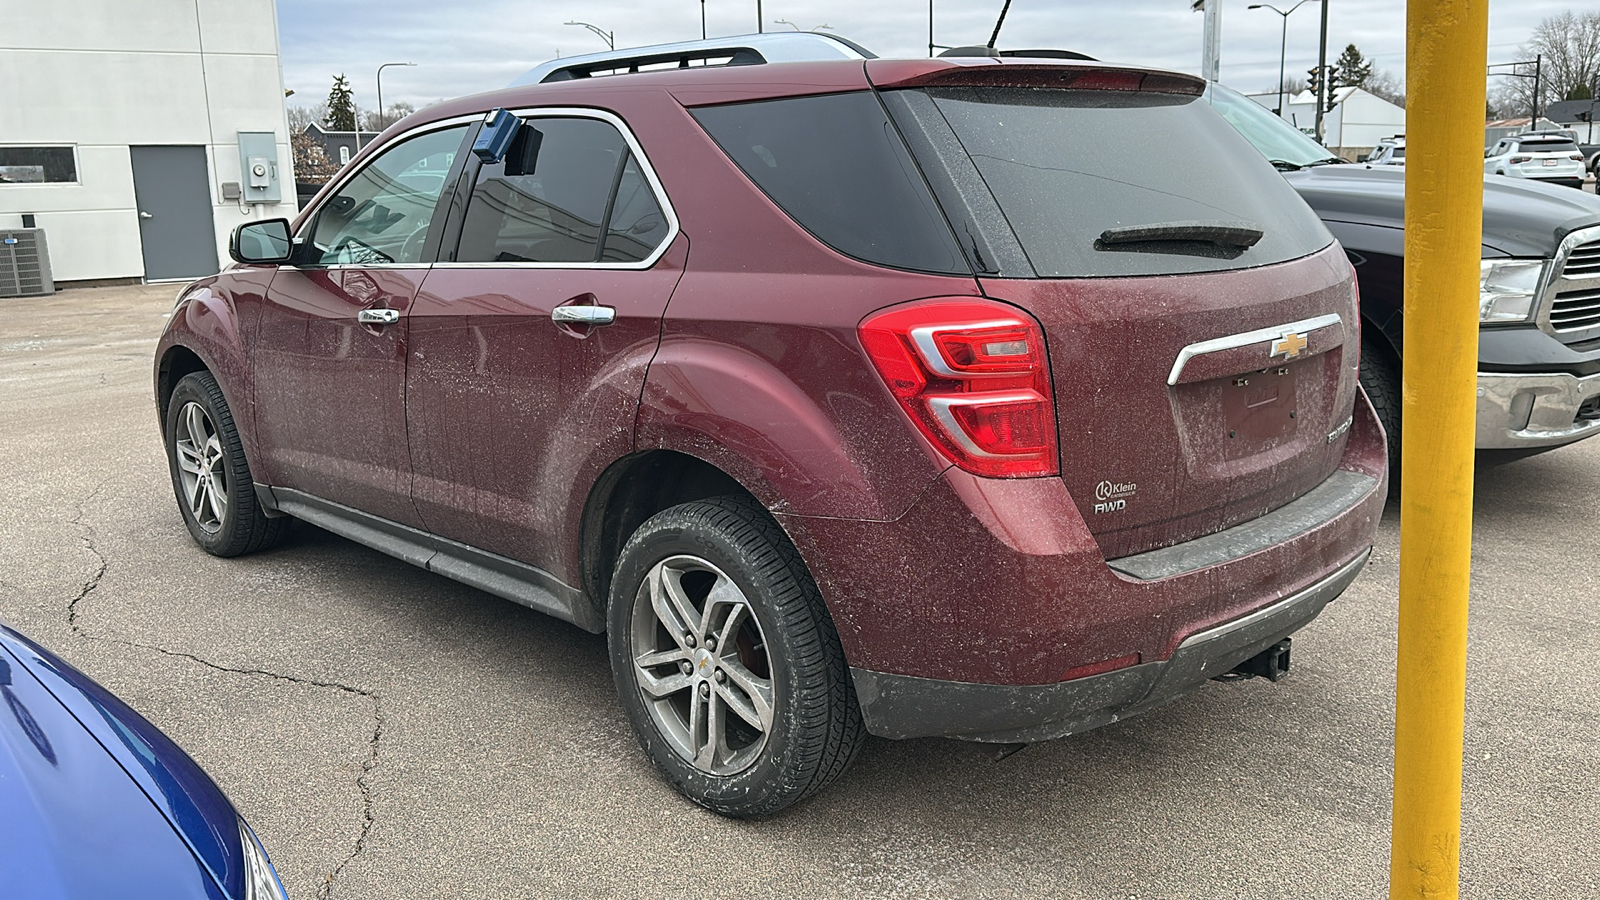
(378, 316)
(145, 215)
(583, 315)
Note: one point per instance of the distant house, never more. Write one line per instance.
(1578, 115)
(1355, 124)
(339, 145)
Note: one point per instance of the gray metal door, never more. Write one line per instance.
(173, 193)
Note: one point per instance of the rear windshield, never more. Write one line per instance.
(1033, 179)
(1556, 146)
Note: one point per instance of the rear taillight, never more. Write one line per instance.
(1576, 156)
(973, 376)
(1521, 159)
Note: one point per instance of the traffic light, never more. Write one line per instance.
(1315, 86)
(1333, 83)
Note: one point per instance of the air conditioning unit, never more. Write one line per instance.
(24, 264)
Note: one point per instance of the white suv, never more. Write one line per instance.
(1540, 155)
(1389, 152)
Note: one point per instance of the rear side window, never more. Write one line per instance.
(549, 198)
(1052, 171)
(835, 164)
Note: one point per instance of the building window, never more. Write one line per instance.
(344, 154)
(38, 165)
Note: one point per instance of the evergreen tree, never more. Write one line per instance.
(1353, 68)
(341, 106)
(1579, 92)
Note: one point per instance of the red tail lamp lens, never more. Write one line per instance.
(973, 376)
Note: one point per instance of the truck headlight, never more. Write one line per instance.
(1507, 288)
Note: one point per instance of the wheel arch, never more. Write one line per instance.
(630, 491)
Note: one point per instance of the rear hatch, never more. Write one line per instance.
(1554, 157)
(1201, 325)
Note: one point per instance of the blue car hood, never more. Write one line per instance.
(94, 801)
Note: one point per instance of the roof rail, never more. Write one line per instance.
(737, 50)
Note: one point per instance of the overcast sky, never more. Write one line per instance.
(478, 45)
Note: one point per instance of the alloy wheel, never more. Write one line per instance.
(702, 665)
(202, 467)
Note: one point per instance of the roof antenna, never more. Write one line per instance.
(993, 38)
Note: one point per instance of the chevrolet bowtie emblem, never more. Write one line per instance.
(1289, 345)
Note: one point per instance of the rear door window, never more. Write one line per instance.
(550, 199)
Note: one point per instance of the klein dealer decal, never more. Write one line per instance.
(1112, 495)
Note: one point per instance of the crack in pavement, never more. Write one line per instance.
(88, 541)
(371, 762)
(367, 765)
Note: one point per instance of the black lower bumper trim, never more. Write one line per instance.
(905, 706)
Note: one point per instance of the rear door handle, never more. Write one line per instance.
(378, 316)
(583, 315)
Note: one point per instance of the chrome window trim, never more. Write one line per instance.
(1246, 338)
(1555, 277)
(344, 178)
(615, 121)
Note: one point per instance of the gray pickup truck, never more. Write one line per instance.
(1538, 299)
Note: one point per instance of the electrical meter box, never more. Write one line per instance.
(258, 167)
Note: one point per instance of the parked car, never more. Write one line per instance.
(96, 802)
(1546, 156)
(821, 387)
(1539, 295)
(1389, 152)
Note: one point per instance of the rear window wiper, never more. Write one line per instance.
(1227, 234)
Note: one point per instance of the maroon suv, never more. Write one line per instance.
(902, 397)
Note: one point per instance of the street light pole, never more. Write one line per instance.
(1323, 81)
(1283, 43)
(606, 36)
(380, 91)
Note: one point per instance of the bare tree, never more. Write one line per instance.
(1292, 86)
(311, 163)
(1568, 48)
(371, 121)
(1385, 84)
(302, 116)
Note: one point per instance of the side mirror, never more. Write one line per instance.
(266, 241)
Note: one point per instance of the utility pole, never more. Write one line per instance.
(1211, 40)
(1445, 61)
(1322, 66)
(1538, 61)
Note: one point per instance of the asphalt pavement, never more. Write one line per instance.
(392, 734)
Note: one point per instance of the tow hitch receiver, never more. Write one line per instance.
(1271, 664)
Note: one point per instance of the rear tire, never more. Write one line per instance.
(1380, 378)
(210, 478)
(726, 661)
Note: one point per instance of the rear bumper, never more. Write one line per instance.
(988, 611)
(904, 706)
(1530, 411)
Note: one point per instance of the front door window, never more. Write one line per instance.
(382, 215)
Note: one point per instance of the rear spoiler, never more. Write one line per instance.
(1027, 73)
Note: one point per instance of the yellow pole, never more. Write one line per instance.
(1446, 48)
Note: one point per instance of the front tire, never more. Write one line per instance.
(210, 477)
(726, 661)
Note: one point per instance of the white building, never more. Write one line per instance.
(1355, 124)
(138, 133)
